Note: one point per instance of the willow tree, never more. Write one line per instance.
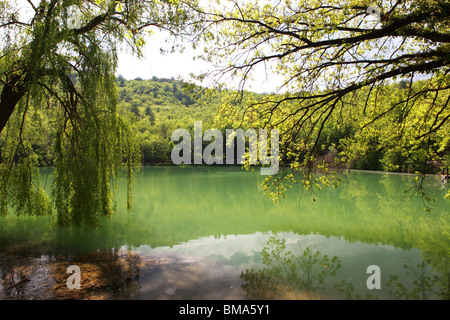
(58, 58)
(335, 60)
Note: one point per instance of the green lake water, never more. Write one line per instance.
(200, 233)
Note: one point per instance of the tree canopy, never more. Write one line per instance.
(363, 84)
(337, 61)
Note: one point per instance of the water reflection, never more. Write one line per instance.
(288, 275)
(310, 274)
(199, 233)
(284, 265)
(424, 284)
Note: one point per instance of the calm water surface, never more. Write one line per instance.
(210, 233)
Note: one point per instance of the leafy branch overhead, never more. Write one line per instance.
(334, 61)
(355, 78)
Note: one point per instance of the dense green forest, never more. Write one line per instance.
(158, 106)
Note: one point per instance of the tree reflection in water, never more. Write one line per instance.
(287, 275)
(425, 284)
(419, 282)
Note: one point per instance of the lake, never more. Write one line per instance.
(211, 233)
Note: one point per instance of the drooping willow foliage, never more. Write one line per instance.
(93, 144)
(67, 72)
(91, 151)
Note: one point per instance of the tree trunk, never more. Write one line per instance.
(12, 92)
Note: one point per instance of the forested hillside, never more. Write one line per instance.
(156, 107)
(159, 106)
